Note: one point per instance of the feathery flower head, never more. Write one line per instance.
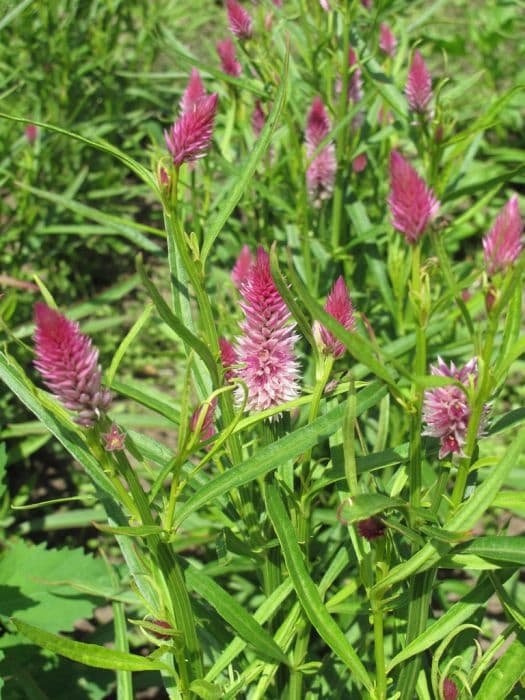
(265, 347)
(190, 137)
(207, 430)
(229, 63)
(450, 690)
(387, 41)
(68, 363)
(446, 411)
(419, 84)
(241, 23)
(502, 245)
(242, 267)
(412, 204)
(194, 92)
(114, 440)
(338, 305)
(228, 358)
(370, 529)
(320, 174)
(258, 118)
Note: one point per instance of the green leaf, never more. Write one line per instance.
(502, 549)
(234, 614)
(126, 342)
(505, 673)
(368, 504)
(138, 531)
(247, 169)
(205, 690)
(88, 654)
(3, 464)
(268, 458)
(307, 591)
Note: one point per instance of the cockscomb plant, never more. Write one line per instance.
(303, 492)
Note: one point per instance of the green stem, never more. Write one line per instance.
(379, 650)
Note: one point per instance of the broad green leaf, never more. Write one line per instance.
(307, 591)
(365, 505)
(506, 672)
(234, 614)
(266, 459)
(500, 549)
(206, 690)
(247, 169)
(88, 654)
(138, 531)
(143, 396)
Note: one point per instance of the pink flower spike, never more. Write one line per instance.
(68, 363)
(367, 4)
(502, 245)
(278, 3)
(258, 118)
(229, 63)
(325, 5)
(355, 86)
(31, 133)
(194, 92)
(241, 23)
(320, 175)
(242, 267)
(412, 204)
(228, 358)
(207, 429)
(419, 84)
(359, 163)
(338, 305)
(450, 689)
(265, 347)
(190, 137)
(114, 440)
(387, 41)
(446, 411)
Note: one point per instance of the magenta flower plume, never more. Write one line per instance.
(241, 23)
(194, 92)
(355, 86)
(68, 363)
(228, 358)
(359, 163)
(325, 5)
(190, 137)
(258, 118)
(242, 267)
(412, 204)
(502, 245)
(320, 174)
(31, 133)
(229, 63)
(387, 41)
(338, 305)
(446, 411)
(450, 689)
(207, 430)
(419, 84)
(265, 347)
(366, 4)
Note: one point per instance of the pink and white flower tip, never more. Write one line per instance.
(338, 305)
(446, 410)
(239, 20)
(265, 347)
(412, 204)
(387, 41)
(68, 363)
(503, 244)
(320, 174)
(243, 265)
(190, 137)
(228, 358)
(230, 65)
(194, 92)
(419, 85)
(325, 5)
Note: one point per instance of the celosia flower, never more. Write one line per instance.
(367, 4)
(265, 347)
(68, 362)
(320, 174)
(190, 137)
(208, 428)
(278, 3)
(229, 63)
(31, 133)
(355, 86)
(359, 163)
(242, 267)
(502, 244)
(338, 305)
(419, 84)
(228, 358)
(387, 41)
(240, 22)
(446, 411)
(412, 204)
(114, 440)
(325, 5)
(370, 529)
(258, 118)
(450, 690)
(194, 92)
